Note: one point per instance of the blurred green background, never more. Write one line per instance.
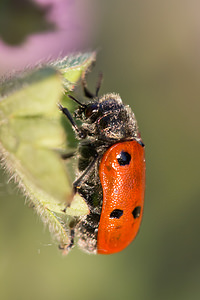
(150, 54)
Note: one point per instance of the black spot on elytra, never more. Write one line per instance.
(116, 213)
(136, 212)
(123, 158)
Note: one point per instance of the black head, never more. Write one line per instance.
(107, 119)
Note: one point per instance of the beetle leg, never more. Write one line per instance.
(68, 247)
(65, 111)
(78, 182)
(66, 156)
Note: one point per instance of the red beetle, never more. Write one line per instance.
(111, 163)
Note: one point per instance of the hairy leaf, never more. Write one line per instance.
(32, 136)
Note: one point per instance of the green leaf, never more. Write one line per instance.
(72, 67)
(32, 135)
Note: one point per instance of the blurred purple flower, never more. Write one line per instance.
(74, 28)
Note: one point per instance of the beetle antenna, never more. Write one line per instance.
(99, 83)
(79, 103)
(87, 93)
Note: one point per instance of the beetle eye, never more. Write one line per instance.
(90, 110)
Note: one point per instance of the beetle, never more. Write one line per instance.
(111, 165)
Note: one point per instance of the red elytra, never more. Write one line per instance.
(123, 190)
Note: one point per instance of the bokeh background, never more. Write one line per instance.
(149, 52)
